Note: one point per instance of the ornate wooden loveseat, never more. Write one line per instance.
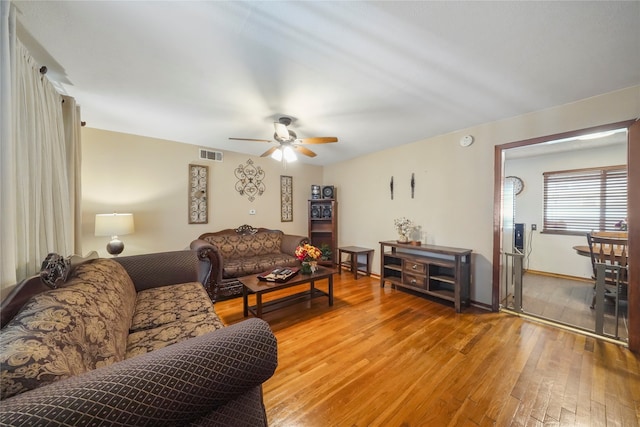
(247, 250)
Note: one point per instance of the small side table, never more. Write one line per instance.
(352, 263)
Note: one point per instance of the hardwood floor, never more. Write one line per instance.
(383, 357)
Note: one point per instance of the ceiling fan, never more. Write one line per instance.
(289, 142)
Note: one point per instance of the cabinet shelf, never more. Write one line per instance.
(438, 271)
(323, 225)
(445, 279)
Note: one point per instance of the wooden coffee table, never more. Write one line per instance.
(251, 285)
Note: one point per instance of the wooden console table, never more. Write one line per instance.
(438, 271)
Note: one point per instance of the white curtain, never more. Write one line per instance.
(72, 123)
(40, 212)
(7, 174)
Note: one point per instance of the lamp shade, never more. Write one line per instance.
(115, 224)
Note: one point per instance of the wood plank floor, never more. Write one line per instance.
(383, 357)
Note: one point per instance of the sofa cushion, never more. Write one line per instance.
(236, 245)
(237, 267)
(147, 340)
(166, 304)
(70, 330)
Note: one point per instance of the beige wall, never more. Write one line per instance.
(149, 177)
(454, 185)
(453, 194)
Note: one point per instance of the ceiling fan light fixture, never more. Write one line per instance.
(289, 154)
(281, 131)
(277, 154)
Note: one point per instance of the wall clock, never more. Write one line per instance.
(198, 194)
(518, 184)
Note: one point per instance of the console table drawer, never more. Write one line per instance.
(414, 267)
(417, 281)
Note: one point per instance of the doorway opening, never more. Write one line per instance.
(539, 270)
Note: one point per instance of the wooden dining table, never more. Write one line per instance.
(584, 251)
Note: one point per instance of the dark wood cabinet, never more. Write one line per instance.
(438, 271)
(323, 226)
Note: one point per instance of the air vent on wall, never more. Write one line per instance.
(215, 156)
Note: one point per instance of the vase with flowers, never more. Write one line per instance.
(308, 255)
(621, 225)
(403, 227)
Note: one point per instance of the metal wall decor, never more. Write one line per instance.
(391, 187)
(413, 184)
(286, 198)
(250, 179)
(198, 194)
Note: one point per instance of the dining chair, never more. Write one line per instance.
(610, 248)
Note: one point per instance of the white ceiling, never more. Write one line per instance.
(374, 74)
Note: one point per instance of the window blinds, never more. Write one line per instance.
(582, 200)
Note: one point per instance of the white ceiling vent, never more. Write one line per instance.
(215, 156)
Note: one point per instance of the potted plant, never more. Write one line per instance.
(325, 251)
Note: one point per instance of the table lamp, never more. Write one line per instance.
(114, 225)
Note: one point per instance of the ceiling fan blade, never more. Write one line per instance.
(281, 131)
(319, 140)
(268, 152)
(304, 150)
(250, 139)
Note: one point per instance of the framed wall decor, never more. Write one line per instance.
(286, 198)
(198, 194)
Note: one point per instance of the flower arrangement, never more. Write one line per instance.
(307, 253)
(403, 226)
(622, 224)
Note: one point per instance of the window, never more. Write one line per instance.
(579, 201)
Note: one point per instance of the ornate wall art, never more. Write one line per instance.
(198, 194)
(250, 179)
(286, 198)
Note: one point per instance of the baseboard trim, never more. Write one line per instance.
(559, 276)
(480, 305)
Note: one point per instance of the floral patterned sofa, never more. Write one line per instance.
(129, 341)
(247, 250)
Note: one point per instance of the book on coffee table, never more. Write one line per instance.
(281, 274)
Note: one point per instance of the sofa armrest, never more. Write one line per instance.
(290, 242)
(175, 385)
(211, 253)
